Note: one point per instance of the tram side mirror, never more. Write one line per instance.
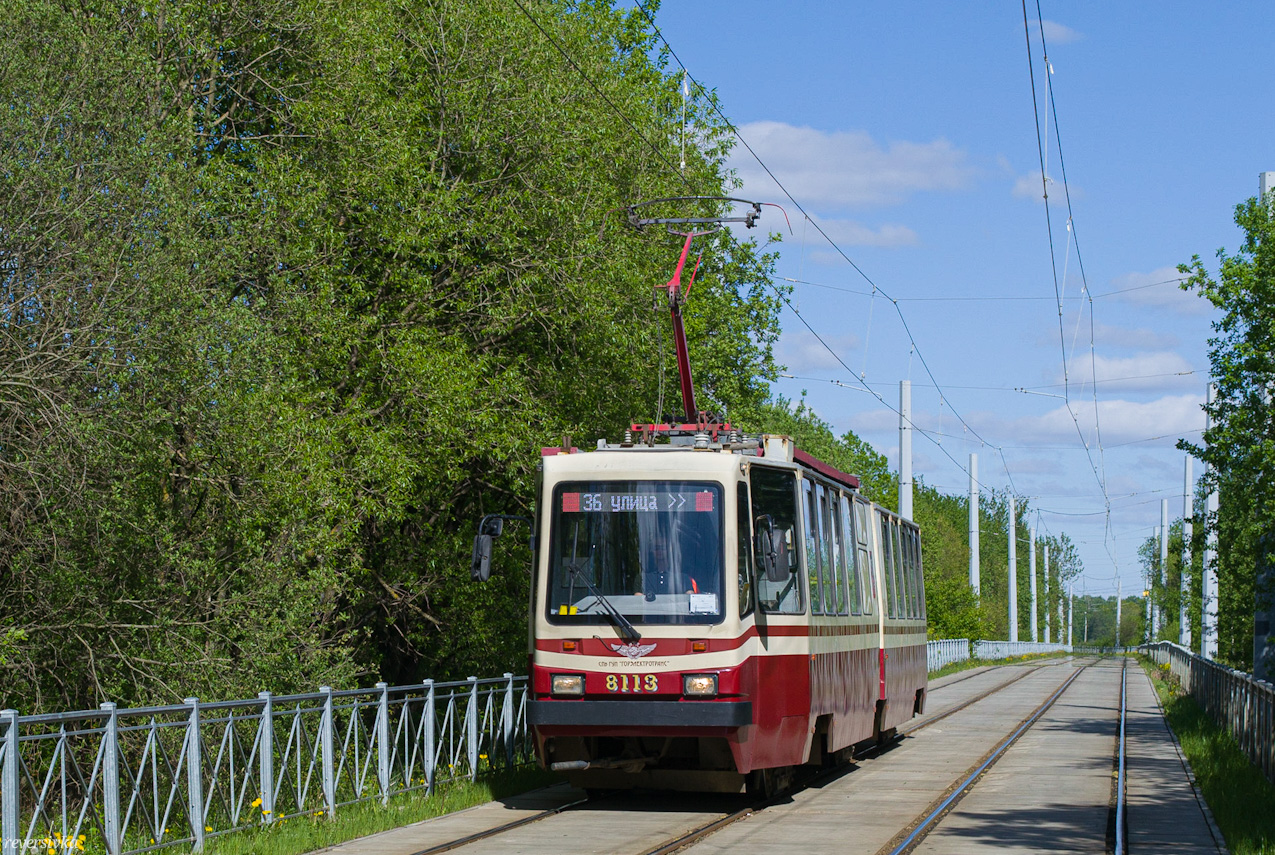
(773, 550)
(480, 562)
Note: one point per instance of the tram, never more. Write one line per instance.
(711, 610)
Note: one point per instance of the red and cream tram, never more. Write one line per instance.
(710, 611)
(715, 609)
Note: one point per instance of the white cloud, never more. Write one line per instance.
(837, 169)
(1146, 339)
(1059, 34)
(1158, 289)
(803, 353)
(852, 233)
(1144, 372)
(1122, 421)
(1028, 187)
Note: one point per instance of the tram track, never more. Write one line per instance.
(697, 832)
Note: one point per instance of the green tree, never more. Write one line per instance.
(1239, 444)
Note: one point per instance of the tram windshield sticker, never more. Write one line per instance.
(701, 501)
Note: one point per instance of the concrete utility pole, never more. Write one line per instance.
(1118, 595)
(1208, 616)
(1046, 593)
(1184, 613)
(1031, 572)
(1164, 552)
(1013, 571)
(905, 449)
(974, 524)
(1157, 570)
(1071, 612)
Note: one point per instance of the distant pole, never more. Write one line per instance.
(1071, 613)
(1208, 618)
(905, 449)
(1184, 612)
(1046, 593)
(1118, 595)
(1031, 572)
(1164, 553)
(1156, 571)
(974, 523)
(1013, 571)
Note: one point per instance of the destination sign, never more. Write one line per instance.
(624, 503)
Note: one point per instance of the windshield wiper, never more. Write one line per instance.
(626, 629)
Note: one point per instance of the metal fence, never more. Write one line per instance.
(1009, 649)
(1245, 706)
(940, 654)
(132, 780)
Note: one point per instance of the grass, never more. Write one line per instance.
(967, 664)
(306, 834)
(1241, 799)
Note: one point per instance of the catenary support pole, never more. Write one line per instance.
(1071, 613)
(1208, 622)
(974, 523)
(1156, 574)
(1013, 571)
(905, 449)
(1164, 556)
(1031, 573)
(1184, 610)
(1046, 594)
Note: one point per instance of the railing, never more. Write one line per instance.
(940, 654)
(1245, 706)
(1009, 649)
(133, 780)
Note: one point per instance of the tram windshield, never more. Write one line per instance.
(650, 550)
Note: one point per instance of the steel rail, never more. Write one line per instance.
(923, 828)
(696, 834)
(499, 829)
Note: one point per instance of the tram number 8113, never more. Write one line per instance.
(632, 683)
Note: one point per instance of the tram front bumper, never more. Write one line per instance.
(587, 713)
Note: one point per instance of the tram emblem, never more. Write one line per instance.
(633, 651)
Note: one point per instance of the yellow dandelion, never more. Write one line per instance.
(266, 812)
(257, 802)
(207, 828)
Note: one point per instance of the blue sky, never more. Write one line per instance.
(906, 130)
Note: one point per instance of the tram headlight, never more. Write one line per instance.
(567, 685)
(699, 685)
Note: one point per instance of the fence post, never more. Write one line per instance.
(509, 719)
(111, 780)
(265, 744)
(430, 720)
(194, 777)
(325, 735)
(10, 780)
(471, 728)
(383, 742)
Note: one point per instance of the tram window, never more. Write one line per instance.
(903, 567)
(909, 576)
(836, 557)
(774, 495)
(813, 552)
(845, 535)
(827, 555)
(887, 570)
(920, 574)
(743, 521)
(866, 561)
